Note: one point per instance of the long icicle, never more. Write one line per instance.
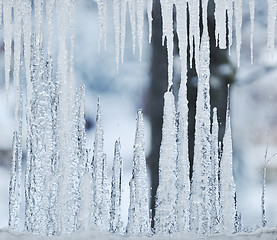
(7, 19)
(252, 18)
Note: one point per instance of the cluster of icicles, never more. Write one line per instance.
(65, 190)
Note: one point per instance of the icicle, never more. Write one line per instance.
(132, 220)
(71, 9)
(227, 185)
(7, 22)
(17, 55)
(1, 7)
(81, 131)
(141, 226)
(194, 30)
(238, 23)
(165, 217)
(183, 182)
(86, 199)
(26, 18)
(150, 19)
(115, 209)
(14, 190)
(167, 19)
(202, 135)
(123, 28)
(272, 7)
(252, 18)
(220, 23)
(100, 213)
(102, 28)
(116, 20)
(140, 20)
(131, 5)
(214, 191)
(230, 12)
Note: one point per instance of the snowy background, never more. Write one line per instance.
(253, 104)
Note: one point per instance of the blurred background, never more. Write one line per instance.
(141, 84)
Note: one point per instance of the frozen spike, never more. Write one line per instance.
(183, 181)
(230, 12)
(238, 23)
(123, 28)
(167, 18)
(227, 185)
(132, 221)
(86, 200)
(202, 137)
(220, 23)
(194, 30)
(17, 58)
(14, 189)
(27, 28)
(252, 18)
(150, 19)
(100, 191)
(181, 12)
(272, 7)
(49, 22)
(7, 23)
(81, 130)
(115, 208)
(102, 28)
(140, 20)
(214, 183)
(116, 20)
(139, 221)
(165, 217)
(131, 5)
(1, 8)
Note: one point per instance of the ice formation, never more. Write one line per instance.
(227, 186)
(138, 218)
(66, 190)
(115, 208)
(165, 218)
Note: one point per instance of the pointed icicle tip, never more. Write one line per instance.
(139, 114)
(214, 111)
